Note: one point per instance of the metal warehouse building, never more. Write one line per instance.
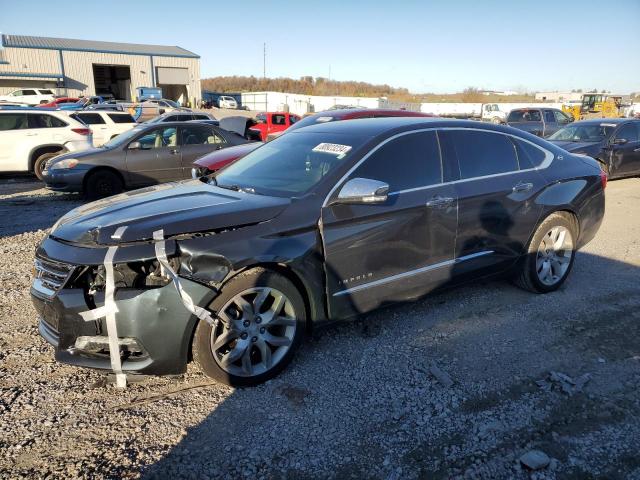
(86, 67)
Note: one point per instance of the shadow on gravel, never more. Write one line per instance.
(28, 213)
(359, 401)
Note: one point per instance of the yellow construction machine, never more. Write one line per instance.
(595, 105)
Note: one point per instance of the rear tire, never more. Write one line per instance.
(550, 254)
(101, 184)
(41, 161)
(262, 324)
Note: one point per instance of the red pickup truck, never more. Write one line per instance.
(271, 122)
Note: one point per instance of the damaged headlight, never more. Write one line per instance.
(143, 274)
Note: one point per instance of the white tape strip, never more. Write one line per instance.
(161, 254)
(109, 311)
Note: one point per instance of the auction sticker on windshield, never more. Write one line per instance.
(333, 149)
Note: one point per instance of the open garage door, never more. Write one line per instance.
(112, 81)
(174, 82)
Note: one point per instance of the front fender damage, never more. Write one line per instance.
(203, 266)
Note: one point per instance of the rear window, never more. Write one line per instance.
(517, 116)
(529, 156)
(89, 118)
(121, 118)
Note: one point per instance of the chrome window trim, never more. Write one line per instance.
(549, 156)
(410, 273)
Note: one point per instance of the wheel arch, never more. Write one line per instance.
(42, 149)
(563, 209)
(101, 168)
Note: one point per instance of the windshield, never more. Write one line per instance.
(595, 132)
(172, 103)
(122, 138)
(290, 165)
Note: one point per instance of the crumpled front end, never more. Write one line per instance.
(154, 328)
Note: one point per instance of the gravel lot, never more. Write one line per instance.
(458, 385)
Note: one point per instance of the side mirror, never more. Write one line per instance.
(363, 190)
(620, 141)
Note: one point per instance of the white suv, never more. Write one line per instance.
(227, 102)
(30, 96)
(104, 124)
(30, 137)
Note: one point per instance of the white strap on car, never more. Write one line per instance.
(108, 311)
(187, 301)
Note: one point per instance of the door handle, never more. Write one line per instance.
(174, 151)
(31, 134)
(522, 187)
(439, 202)
(636, 149)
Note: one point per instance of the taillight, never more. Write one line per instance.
(82, 131)
(603, 179)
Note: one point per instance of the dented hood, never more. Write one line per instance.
(178, 208)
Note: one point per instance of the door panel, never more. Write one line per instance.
(159, 162)
(387, 252)
(625, 158)
(196, 142)
(497, 211)
(397, 249)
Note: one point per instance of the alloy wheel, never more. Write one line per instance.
(256, 330)
(554, 255)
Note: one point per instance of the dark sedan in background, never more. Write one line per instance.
(323, 223)
(538, 121)
(145, 155)
(614, 142)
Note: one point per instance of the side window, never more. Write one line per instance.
(629, 132)
(17, 93)
(515, 116)
(292, 119)
(121, 118)
(279, 120)
(409, 161)
(160, 138)
(200, 136)
(549, 117)
(483, 153)
(172, 118)
(529, 156)
(28, 92)
(44, 121)
(13, 121)
(200, 117)
(91, 118)
(561, 117)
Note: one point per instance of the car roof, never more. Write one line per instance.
(377, 126)
(591, 121)
(350, 113)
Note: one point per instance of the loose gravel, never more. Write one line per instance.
(462, 384)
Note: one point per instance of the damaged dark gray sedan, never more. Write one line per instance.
(322, 224)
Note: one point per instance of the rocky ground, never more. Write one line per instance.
(470, 383)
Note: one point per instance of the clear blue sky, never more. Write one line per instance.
(426, 46)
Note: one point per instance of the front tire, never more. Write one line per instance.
(550, 254)
(101, 184)
(262, 318)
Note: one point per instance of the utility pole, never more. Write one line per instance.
(264, 60)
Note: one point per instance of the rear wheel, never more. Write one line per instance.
(102, 183)
(41, 161)
(262, 317)
(550, 254)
